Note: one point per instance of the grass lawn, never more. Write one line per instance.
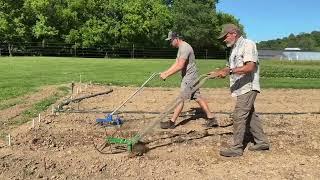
(20, 75)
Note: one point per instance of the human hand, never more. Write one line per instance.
(163, 76)
(212, 74)
(222, 73)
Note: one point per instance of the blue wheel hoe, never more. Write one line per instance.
(112, 119)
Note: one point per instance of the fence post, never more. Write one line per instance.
(206, 53)
(9, 48)
(75, 49)
(132, 51)
(143, 52)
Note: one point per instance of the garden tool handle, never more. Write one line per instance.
(200, 81)
(197, 84)
(141, 87)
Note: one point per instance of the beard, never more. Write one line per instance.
(230, 44)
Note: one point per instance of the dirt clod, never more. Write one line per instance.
(139, 148)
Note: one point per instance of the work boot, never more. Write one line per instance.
(211, 122)
(231, 152)
(167, 125)
(259, 147)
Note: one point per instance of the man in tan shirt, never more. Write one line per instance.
(243, 69)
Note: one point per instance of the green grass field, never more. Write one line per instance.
(20, 75)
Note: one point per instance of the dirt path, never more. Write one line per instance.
(61, 146)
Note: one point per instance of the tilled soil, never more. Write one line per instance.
(27, 101)
(61, 146)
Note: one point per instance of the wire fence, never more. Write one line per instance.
(71, 50)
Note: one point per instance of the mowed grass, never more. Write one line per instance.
(20, 75)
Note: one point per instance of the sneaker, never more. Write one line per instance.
(231, 152)
(211, 122)
(167, 125)
(259, 147)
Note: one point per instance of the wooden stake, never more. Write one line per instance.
(72, 87)
(9, 139)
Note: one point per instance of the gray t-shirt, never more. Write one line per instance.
(189, 72)
(244, 51)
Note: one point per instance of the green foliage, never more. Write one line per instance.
(122, 22)
(43, 19)
(145, 21)
(92, 23)
(291, 69)
(196, 21)
(40, 106)
(304, 41)
(12, 25)
(41, 30)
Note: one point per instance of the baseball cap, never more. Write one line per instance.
(172, 35)
(227, 28)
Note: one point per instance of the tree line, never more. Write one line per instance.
(114, 23)
(304, 41)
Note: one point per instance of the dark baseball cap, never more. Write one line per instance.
(227, 28)
(172, 35)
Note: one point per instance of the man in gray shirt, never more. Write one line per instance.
(185, 62)
(243, 68)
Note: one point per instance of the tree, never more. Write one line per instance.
(41, 30)
(90, 23)
(12, 28)
(123, 22)
(145, 22)
(43, 15)
(196, 21)
(305, 41)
